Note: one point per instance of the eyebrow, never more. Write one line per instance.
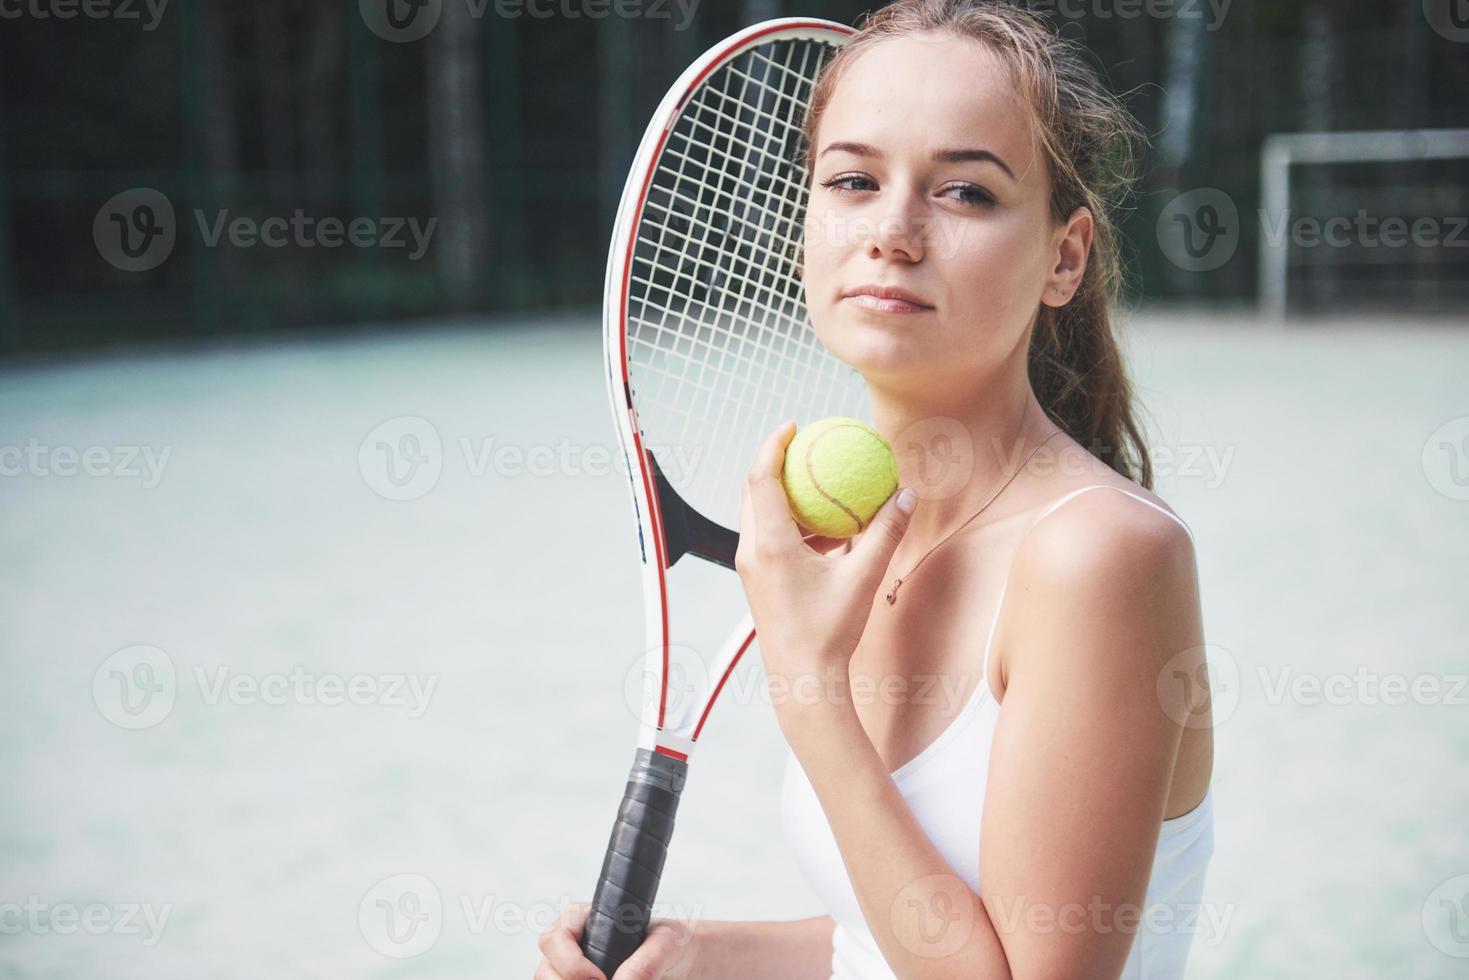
(939, 156)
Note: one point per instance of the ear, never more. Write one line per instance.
(1071, 245)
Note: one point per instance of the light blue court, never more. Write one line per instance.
(300, 680)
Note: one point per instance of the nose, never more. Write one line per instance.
(897, 230)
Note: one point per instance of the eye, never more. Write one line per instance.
(841, 183)
(970, 194)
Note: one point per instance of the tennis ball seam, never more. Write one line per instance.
(816, 484)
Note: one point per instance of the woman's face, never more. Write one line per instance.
(926, 182)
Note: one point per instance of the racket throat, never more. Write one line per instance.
(673, 746)
(685, 530)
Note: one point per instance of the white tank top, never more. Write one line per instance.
(944, 787)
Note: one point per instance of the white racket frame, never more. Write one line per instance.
(674, 737)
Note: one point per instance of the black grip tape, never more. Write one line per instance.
(618, 920)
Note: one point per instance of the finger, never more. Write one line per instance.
(564, 954)
(658, 953)
(826, 545)
(561, 944)
(874, 549)
(649, 962)
(573, 918)
(769, 509)
(747, 513)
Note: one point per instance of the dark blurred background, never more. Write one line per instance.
(300, 377)
(443, 157)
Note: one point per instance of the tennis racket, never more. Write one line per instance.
(708, 348)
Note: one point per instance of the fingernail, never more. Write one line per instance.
(907, 500)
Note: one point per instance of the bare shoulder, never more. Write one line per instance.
(1108, 573)
(1102, 536)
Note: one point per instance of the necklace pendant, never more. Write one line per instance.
(892, 595)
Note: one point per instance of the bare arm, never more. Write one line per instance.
(696, 949)
(1078, 777)
(794, 950)
(1083, 752)
(1084, 749)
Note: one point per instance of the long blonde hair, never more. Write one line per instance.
(1091, 144)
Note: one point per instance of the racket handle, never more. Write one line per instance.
(618, 920)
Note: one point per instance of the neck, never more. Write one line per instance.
(990, 425)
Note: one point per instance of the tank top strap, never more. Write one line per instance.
(1050, 509)
(1107, 486)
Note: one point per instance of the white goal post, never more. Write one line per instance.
(1283, 150)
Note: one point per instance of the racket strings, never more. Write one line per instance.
(713, 254)
(725, 120)
(719, 345)
(781, 222)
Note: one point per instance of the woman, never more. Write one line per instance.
(1051, 818)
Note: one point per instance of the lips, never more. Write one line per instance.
(886, 299)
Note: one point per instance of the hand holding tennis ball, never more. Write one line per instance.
(837, 474)
(810, 608)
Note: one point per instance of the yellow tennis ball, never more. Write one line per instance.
(837, 473)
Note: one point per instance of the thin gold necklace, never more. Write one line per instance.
(892, 594)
